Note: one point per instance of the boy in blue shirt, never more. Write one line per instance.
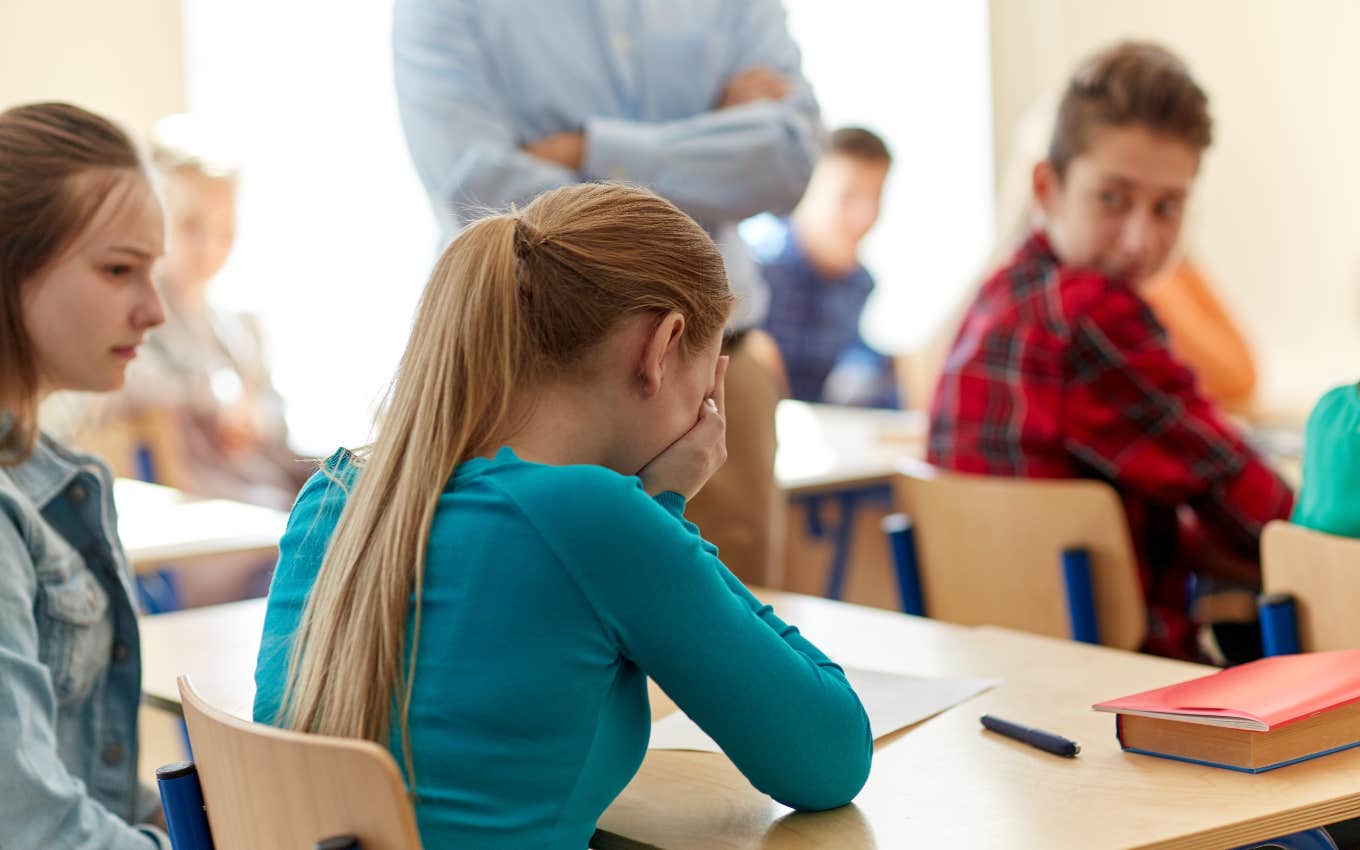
(818, 287)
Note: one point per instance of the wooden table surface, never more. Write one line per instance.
(947, 783)
(826, 448)
(217, 646)
(160, 525)
(941, 783)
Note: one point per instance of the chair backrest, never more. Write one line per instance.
(272, 789)
(989, 551)
(1322, 573)
(147, 445)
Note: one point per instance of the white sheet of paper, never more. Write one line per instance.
(892, 701)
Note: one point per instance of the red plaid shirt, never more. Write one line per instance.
(1064, 373)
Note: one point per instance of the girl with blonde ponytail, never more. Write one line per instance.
(487, 586)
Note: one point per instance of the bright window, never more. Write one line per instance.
(336, 237)
(918, 74)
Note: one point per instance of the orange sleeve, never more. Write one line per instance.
(1203, 335)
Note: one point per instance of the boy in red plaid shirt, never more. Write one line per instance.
(1060, 369)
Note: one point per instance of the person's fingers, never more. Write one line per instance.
(719, 385)
(709, 419)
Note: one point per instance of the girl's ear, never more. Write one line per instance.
(664, 338)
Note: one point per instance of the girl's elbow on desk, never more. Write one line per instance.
(830, 783)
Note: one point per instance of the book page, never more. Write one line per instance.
(892, 701)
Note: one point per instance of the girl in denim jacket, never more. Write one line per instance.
(79, 230)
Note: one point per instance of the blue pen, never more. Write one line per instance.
(1046, 741)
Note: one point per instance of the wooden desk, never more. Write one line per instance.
(217, 646)
(941, 783)
(947, 783)
(825, 448)
(160, 525)
(845, 456)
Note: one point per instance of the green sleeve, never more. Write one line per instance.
(1331, 465)
(781, 710)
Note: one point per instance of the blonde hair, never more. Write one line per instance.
(515, 300)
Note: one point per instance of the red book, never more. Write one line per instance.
(1253, 717)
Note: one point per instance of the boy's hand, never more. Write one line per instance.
(685, 466)
(755, 83)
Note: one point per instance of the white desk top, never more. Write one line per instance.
(824, 448)
(159, 525)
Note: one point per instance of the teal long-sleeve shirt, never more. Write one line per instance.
(551, 593)
(1331, 465)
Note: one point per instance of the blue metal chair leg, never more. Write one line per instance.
(902, 546)
(840, 543)
(186, 819)
(1081, 599)
(812, 512)
(1279, 624)
(158, 592)
(1313, 839)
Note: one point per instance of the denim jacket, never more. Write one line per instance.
(70, 662)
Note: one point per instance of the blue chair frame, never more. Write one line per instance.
(186, 817)
(841, 532)
(1083, 624)
(1279, 624)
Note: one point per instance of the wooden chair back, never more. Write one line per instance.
(138, 444)
(1322, 573)
(272, 789)
(989, 551)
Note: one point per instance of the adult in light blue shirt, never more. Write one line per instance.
(621, 90)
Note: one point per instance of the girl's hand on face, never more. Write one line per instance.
(685, 466)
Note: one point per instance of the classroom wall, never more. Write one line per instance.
(123, 59)
(1275, 220)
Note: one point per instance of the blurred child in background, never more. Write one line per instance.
(818, 287)
(202, 393)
